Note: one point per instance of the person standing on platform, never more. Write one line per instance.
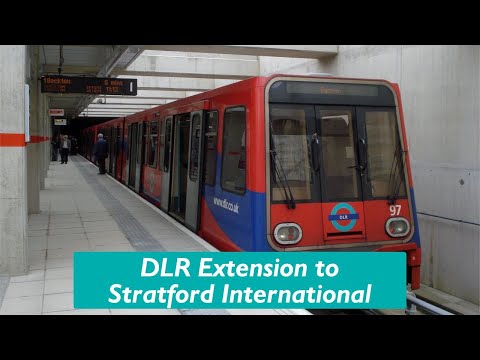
(65, 146)
(55, 147)
(101, 152)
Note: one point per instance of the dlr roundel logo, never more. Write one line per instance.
(334, 217)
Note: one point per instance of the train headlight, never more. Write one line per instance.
(287, 233)
(397, 227)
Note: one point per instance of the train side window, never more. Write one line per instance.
(233, 176)
(210, 148)
(152, 158)
(168, 134)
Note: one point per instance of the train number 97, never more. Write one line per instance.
(395, 210)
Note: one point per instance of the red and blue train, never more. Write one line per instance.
(276, 163)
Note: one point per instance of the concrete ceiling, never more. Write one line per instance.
(164, 73)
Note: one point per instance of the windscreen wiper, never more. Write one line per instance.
(280, 173)
(396, 175)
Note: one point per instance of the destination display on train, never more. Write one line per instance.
(88, 85)
(332, 89)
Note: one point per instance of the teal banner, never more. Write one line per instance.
(315, 280)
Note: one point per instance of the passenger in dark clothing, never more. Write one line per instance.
(101, 152)
(65, 146)
(55, 147)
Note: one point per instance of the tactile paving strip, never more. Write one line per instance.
(136, 234)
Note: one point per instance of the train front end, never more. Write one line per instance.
(337, 168)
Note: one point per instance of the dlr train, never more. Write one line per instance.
(276, 163)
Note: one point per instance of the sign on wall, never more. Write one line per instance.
(56, 112)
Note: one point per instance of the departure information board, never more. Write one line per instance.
(88, 85)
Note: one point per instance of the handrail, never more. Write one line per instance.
(425, 306)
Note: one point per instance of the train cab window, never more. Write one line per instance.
(384, 157)
(289, 137)
(233, 177)
(152, 153)
(210, 148)
(338, 155)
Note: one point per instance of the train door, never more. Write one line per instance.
(109, 162)
(133, 173)
(138, 156)
(194, 170)
(142, 129)
(91, 144)
(342, 164)
(178, 188)
(112, 154)
(165, 162)
(127, 170)
(116, 149)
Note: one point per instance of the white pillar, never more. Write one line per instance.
(48, 133)
(13, 187)
(33, 147)
(43, 133)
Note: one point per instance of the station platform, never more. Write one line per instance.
(84, 211)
